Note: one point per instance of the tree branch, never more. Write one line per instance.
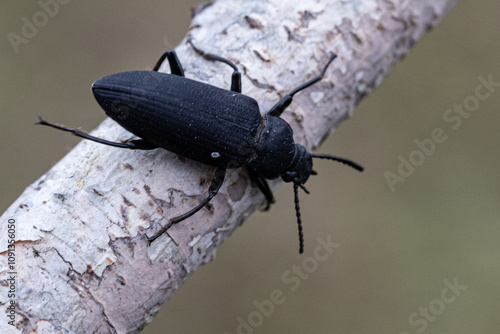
(82, 257)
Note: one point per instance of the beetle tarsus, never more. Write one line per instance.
(157, 235)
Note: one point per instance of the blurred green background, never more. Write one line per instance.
(396, 248)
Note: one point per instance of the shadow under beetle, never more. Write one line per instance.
(218, 127)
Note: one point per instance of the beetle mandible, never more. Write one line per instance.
(218, 127)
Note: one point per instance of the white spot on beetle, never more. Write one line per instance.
(215, 155)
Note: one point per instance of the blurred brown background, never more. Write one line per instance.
(396, 248)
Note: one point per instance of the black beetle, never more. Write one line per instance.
(218, 127)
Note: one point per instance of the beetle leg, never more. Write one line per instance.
(236, 82)
(263, 187)
(282, 104)
(217, 181)
(173, 61)
(235, 78)
(138, 144)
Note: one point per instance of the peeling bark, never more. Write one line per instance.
(82, 257)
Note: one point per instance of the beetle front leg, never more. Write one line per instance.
(282, 104)
(217, 181)
(173, 61)
(263, 187)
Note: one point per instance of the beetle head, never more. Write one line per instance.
(301, 167)
(299, 171)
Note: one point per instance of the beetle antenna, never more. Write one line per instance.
(347, 162)
(296, 186)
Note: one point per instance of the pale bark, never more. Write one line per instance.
(82, 257)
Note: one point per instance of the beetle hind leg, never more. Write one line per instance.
(235, 78)
(173, 61)
(137, 144)
(217, 181)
